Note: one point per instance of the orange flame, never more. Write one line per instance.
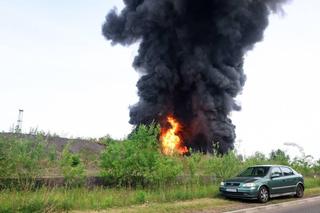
(171, 143)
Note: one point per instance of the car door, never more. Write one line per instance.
(277, 180)
(290, 179)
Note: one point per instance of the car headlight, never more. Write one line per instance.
(222, 183)
(249, 185)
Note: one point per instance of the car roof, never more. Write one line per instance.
(269, 166)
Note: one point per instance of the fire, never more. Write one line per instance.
(171, 142)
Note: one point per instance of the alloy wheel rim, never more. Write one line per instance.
(299, 191)
(264, 194)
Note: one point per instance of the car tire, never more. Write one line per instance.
(299, 191)
(263, 194)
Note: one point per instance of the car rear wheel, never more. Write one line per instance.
(299, 191)
(263, 194)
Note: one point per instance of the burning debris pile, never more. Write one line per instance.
(170, 140)
(191, 60)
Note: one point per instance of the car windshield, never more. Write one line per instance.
(255, 172)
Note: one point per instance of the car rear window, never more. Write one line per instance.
(255, 172)
(286, 171)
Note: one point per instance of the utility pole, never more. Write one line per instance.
(18, 128)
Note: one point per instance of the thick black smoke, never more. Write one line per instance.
(191, 60)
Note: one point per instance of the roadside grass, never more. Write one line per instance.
(312, 191)
(214, 205)
(181, 206)
(170, 199)
(99, 198)
(312, 182)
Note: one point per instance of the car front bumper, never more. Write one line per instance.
(240, 192)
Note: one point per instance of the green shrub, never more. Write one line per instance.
(166, 170)
(193, 164)
(257, 159)
(316, 167)
(138, 160)
(279, 157)
(303, 165)
(20, 157)
(140, 197)
(72, 168)
(225, 166)
(108, 202)
(21, 160)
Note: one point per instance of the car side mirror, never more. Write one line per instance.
(275, 175)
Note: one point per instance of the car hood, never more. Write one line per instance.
(243, 179)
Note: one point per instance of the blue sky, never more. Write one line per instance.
(56, 65)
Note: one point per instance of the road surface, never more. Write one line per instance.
(308, 205)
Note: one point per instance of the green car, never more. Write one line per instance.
(264, 182)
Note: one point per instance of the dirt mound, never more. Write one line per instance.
(76, 145)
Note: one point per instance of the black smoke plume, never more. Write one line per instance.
(191, 59)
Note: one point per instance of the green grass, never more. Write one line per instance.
(312, 191)
(311, 182)
(99, 198)
(166, 199)
(215, 204)
(182, 206)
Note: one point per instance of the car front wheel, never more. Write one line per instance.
(263, 194)
(299, 191)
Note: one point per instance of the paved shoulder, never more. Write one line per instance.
(308, 205)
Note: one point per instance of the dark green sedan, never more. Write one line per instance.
(264, 182)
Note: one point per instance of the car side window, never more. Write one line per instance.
(287, 171)
(276, 171)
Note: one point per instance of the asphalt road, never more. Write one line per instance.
(308, 205)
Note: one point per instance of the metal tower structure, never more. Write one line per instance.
(19, 122)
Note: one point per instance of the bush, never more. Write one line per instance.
(140, 197)
(225, 166)
(303, 165)
(316, 167)
(72, 168)
(279, 157)
(21, 160)
(193, 163)
(138, 160)
(166, 170)
(257, 159)
(20, 157)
